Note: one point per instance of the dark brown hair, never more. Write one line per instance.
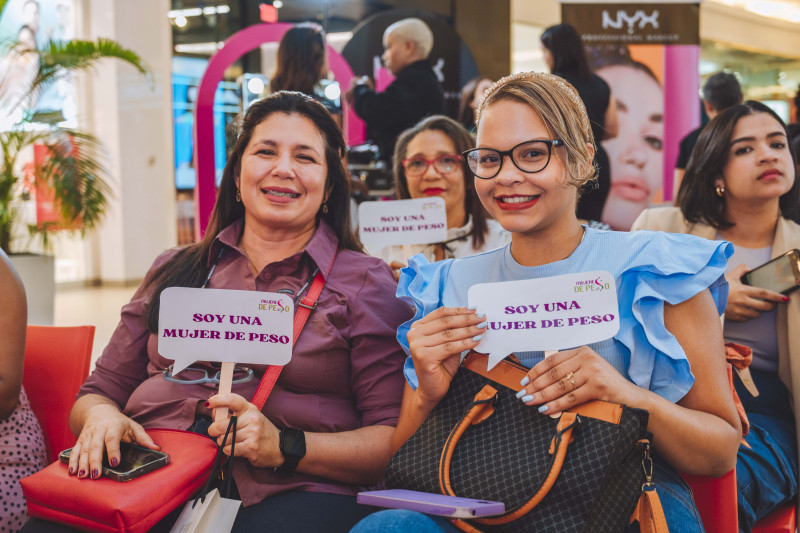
(565, 45)
(189, 266)
(301, 54)
(463, 141)
(697, 196)
(466, 115)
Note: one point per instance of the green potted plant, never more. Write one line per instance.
(69, 168)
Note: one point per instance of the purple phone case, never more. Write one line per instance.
(438, 504)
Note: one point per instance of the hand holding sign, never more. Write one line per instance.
(417, 221)
(226, 326)
(546, 314)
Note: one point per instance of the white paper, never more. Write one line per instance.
(546, 313)
(415, 221)
(225, 325)
(213, 515)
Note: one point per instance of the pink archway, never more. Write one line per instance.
(235, 47)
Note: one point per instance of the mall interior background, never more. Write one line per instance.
(146, 130)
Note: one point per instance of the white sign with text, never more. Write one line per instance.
(225, 326)
(546, 314)
(415, 221)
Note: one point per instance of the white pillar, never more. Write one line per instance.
(134, 123)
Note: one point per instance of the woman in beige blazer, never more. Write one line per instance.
(741, 186)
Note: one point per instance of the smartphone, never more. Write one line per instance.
(134, 461)
(437, 504)
(782, 274)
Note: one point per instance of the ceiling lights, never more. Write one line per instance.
(176, 14)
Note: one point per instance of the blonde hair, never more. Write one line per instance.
(414, 30)
(561, 109)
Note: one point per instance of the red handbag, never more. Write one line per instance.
(135, 506)
(132, 507)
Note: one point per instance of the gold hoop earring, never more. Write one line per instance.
(720, 190)
(325, 208)
(238, 196)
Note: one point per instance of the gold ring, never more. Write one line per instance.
(571, 378)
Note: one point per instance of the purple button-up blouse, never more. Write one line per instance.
(345, 372)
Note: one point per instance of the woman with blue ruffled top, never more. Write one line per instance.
(535, 150)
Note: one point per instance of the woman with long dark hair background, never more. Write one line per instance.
(564, 55)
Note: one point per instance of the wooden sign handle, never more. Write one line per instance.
(225, 384)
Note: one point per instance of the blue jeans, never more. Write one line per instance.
(766, 473)
(676, 499)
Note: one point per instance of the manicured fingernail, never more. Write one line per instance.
(208, 404)
(542, 408)
(71, 471)
(522, 393)
(95, 473)
(472, 307)
(481, 315)
(483, 325)
(476, 338)
(785, 298)
(82, 473)
(114, 461)
(528, 398)
(524, 381)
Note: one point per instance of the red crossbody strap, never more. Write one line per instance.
(307, 304)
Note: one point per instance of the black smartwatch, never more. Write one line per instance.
(292, 443)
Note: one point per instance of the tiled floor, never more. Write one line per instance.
(97, 306)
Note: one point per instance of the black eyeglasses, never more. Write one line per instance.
(529, 157)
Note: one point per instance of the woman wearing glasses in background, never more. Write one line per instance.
(428, 162)
(535, 153)
(281, 215)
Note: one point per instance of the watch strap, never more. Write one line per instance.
(290, 458)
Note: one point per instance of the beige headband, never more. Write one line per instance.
(551, 79)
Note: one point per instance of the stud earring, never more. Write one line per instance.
(720, 190)
(238, 196)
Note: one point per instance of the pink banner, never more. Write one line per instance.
(681, 105)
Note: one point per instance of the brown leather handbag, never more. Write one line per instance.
(589, 470)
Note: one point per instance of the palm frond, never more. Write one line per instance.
(75, 172)
(57, 58)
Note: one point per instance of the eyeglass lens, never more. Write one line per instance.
(444, 164)
(531, 157)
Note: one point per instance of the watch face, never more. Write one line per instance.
(294, 442)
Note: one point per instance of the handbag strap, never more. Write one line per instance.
(649, 512)
(480, 410)
(307, 304)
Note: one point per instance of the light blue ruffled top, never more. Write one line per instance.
(650, 268)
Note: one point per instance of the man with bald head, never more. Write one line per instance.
(414, 94)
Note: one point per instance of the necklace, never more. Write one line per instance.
(256, 271)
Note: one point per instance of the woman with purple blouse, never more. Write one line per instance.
(281, 214)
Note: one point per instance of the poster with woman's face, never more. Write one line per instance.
(636, 153)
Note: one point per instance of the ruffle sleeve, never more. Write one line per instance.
(669, 268)
(421, 284)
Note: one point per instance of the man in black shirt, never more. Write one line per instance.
(414, 94)
(721, 91)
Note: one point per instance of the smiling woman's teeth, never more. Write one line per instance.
(517, 199)
(284, 194)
